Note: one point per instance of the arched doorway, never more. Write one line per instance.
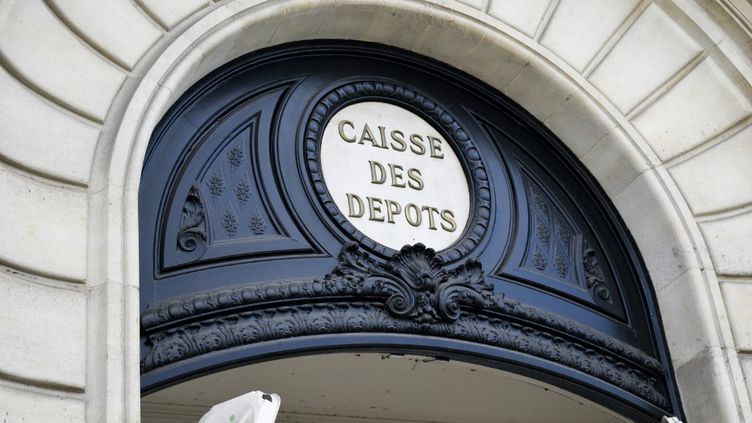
(248, 254)
(384, 388)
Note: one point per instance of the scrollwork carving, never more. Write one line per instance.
(413, 292)
(344, 317)
(418, 286)
(192, 235)
(594, 279)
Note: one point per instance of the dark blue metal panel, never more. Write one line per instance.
(245, 257)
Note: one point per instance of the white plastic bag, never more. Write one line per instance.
(253, 407)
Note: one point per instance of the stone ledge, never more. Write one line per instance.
(737, 296)
(706, 388)
(43, 332)
(44, 225)
(31, 406)
(730, 243)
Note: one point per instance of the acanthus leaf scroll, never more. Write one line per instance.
(595, 281)
(417, 285)
(192, 232)
(412, 292)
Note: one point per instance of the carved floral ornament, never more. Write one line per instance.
(413, 292)
(416, 284)
(191, 234)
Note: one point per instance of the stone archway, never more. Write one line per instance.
(242, 258)
(629, 164)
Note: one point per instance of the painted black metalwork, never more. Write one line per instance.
(245, 256)
(192, 235)
(411, 293)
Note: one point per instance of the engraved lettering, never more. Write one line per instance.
(417, 217)
(431, 210)
(435, 145)
(352, 200)
(415, 196)
(415, 181)
(382, 132)
(399, 138)
(374, 208)
(448, 217)
(416, 144)
(396, 172)
(378, 173)
(341, 129)
(367, 135)
(393, 208)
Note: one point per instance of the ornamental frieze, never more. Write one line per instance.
(413, 292)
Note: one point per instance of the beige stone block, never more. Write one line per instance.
(615, 162)
(43, 328)
(730, 243)
(738, 299)
(41, 136)
(43, 226)
(500, 68)
(171, 12)
(657, 229)
(699, 107)
(306, 23)
(523, 15)
(389, 27)
(580, 123)
(350, 22)
(579, 28)
(719, 178)
(706, 389)
(47, 54)
(746, 362)
(688, 317)
(197, 63)
(27, 406)
(648, 54)
(115, 26)
(448, 42)
(477, 4)
(540, 90)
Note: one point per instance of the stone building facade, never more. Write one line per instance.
(653, 96)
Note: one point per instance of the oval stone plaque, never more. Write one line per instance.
(394, 177)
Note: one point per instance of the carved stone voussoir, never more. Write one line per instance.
(413, 292)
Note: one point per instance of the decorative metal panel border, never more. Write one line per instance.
(413, 292)
(440, 118)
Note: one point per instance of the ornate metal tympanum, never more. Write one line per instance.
(255, 240)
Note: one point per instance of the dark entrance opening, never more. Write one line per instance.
(245, 256)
